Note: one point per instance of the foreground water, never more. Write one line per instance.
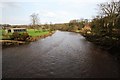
(62, 55)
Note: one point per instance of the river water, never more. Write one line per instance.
(62, 55)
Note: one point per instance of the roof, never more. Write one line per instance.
(17, 28)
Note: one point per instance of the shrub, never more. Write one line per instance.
(20, 36)
(14, 36)
(24, 36)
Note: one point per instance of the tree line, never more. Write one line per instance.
(107, 22)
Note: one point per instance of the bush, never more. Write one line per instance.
(20, 36)
(14, 36)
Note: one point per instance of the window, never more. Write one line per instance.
(9, 31)
(20, 30)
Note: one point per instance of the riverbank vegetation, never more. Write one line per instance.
(105, 28)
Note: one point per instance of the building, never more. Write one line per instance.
(12, 30)
(87, 27)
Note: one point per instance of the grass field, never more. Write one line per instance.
(31, 32)
(34, 33)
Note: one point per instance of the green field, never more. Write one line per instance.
(34, 33)
(31, 32)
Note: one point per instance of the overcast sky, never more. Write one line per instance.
(55, 11)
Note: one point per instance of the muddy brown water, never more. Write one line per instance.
(62, 55)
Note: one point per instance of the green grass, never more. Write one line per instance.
(0, 34)
(31, 32)
(6, 36)
(35, 33)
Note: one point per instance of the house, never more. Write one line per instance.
(12, 30)
(86, 29)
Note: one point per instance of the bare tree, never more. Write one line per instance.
(110, 10)
(35, 20)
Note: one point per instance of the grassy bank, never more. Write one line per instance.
(35, 35)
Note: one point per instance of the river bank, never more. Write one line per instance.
(10, 43)
(110, 44)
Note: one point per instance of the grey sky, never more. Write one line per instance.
(55, 11)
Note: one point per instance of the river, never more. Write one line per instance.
(62, 55)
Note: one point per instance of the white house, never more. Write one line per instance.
(12, 30)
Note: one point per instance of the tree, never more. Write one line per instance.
(110, 12)
(110, 9)
(35, 20)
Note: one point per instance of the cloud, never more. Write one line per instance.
(48, 10)
(54, 13)
(9, 5)
(50, 14)
(54, 16)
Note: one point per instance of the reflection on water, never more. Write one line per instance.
(64, 54)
